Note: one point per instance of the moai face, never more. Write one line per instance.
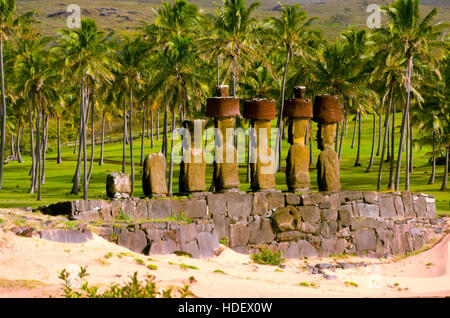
(326, 135)
(297, 130)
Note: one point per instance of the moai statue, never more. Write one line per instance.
(154, 175)
(327, 112)
(193, 167)
(299, 111)
(224, 110)
(262, 164)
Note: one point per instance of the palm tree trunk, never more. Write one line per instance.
(374, 138)
(358, 153)
(389, 153)
(59, 160)
(344, 128)
(3, 115)
(411, 147)
(311, 157)
(403, 128)
(76, 178)
(92, 136)
(32, 151)
(391, 170)
(143, 138)
(354, 130)
(336, 138)
(85, 121)
(102, 144)
(76, 141)
(444, 181)
(131, 139)
(280, 115)
(19, 135)
(165, 130)
(385, 139)
(171, 154)
(13, 147)
(380, 124)
(407, 154)
(38, 155)
(218, 70)
(124, 147)
(433, 168)
(151, 131)
(44, 150)
(157, 125)
(234, 74)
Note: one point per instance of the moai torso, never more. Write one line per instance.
(154, 175)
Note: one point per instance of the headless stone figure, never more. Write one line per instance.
(327, 112)
(193, 168)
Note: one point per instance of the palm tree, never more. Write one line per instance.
(85, 51)
(8, 22)
(415, 38)
(180, 81)
(290, 33)
(37, 83)
(132, 58)
(233, 22)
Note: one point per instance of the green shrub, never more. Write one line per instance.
(268, 257)
(133, 289)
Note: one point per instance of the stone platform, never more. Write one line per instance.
(297, 224)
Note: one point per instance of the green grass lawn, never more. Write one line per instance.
(58, 184)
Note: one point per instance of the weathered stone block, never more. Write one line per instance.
(239, 205)
(398, 204)
(370, 197)
(135, 241)
(348, 196)
(191, 208)
(260, 205)
(367, 210)
(186, 233)
(312, 198)
(328, 214)
(309, 228)
(420, 206)
(292, 199)
(332, 247)
(387, 208)
(191, 248)
(207, 243)
(345, 214)
(275, 200)
(365, 239)
(309, 214)
(289, 236)
(305, 249)
(287, 219)
(159, 208)
(260, 232)
(239, 234)
(65, 236)
(217, 203)
(408, 203)
(221, 225)
(118, 185)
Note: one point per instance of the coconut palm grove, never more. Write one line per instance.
(87, 102)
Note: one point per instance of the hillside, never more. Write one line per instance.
(121, 15)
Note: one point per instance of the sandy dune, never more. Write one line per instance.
(29, 267)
